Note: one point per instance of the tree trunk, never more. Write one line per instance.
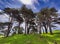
(26, 26)
(45, 29)
(40, 28)
(50, 28)
(19, 28)
(9, 27)
(8, 31)
(28, 30)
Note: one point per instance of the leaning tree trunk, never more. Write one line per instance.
(9, 27)
(45, 27)
(50, 28)
(8, 31)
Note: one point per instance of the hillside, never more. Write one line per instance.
(32, 39)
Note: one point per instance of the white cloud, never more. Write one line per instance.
(58, 11)
(30, 3)
(26, 2)
(3, 18)
(0, 10)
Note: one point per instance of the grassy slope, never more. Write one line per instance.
(32, 39)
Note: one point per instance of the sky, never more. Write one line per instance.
(35, 5)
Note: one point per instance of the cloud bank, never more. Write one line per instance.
(29, 3)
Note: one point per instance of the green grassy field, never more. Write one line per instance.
(32, 39)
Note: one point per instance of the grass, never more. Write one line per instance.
(32, 39)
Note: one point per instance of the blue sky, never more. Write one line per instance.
(35, 5)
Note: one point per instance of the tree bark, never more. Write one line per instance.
(19, 28)
(28, 30)
(50, 28)
(45, 27)
(39, 27)
(26, 26)
(9, 27)
(8, 31)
